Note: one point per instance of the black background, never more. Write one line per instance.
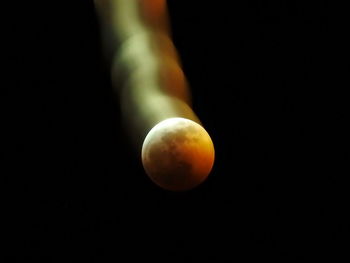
(269, 83)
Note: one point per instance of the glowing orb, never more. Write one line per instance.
(178, 154)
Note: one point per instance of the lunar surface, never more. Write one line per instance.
(178, 154)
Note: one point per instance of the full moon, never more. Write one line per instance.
(178, 154)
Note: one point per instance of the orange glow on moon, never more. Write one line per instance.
(178, 154)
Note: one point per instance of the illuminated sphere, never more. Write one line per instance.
(178, 154)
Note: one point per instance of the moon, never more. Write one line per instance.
(178, 154)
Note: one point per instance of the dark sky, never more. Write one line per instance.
(268, 82)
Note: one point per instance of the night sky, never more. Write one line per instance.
(268, 82)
